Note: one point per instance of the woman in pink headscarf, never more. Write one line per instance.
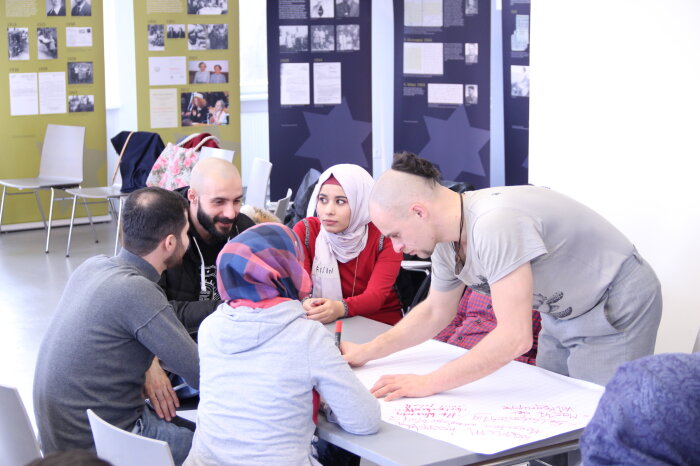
(352, 266)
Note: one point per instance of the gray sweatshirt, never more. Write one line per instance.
(258, 369)
(110, 321)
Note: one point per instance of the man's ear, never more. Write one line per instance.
(419, 210)
(169, 243)
(192, 195)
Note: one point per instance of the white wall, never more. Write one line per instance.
(614, 108)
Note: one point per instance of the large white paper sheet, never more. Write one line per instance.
(424, 58)
(294, 84)
(163, 106)
(167, 71)
(327, 83)
(516, 405)
(24, 94)
(52, 92)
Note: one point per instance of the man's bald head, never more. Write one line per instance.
(213, 169)
(215, 195)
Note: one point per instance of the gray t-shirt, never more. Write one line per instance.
(110, 321)
(574, 252)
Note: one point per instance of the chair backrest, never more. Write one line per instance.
(282, 204)
(256, 192)
(224, 154)
(18, 444)
(62, 153)
(122, 448)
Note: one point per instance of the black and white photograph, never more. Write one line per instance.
(80, 72)
(294, 39)
(81, 103)
(471, 94)
(471, 7)
(207, 7)
(471, 53)
(207, 37)
(347, 8)
(175, 31)
(18, 43)
(55, 7)
(519, 81)
(204, 108)
(321, 9)
(347, 37)
(156, 37)
(208, 71)
(322, 38)
(80, 8)
(47, 43)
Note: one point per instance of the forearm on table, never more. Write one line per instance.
(422, 323)
(496, 350)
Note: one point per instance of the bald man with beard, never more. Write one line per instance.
(529, 248)
(215, 196)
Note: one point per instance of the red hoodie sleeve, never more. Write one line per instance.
(301, 231)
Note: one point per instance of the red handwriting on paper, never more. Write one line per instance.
(511, 421)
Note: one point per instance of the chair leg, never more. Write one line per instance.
(41, 209)
(70, 229)
(2, 205)
(119, 225)
(94, 232)
(48, 230)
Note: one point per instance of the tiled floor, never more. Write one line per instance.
(31, 283)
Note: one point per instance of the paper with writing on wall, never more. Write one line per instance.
(516, 405)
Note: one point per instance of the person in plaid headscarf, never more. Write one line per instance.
(262, 361)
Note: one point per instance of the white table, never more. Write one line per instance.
(394, 445)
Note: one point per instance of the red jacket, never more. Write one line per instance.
(374, 296)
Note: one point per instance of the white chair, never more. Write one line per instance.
(282, 204)
(18, 445)
(61, 167)
(122, 448)
(256, 193)
(104, 194)
(225, 154)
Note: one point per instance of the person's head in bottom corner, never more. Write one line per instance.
(264, 262)
(70, 458)
(215, 195)
(154, 221)
(341, 202)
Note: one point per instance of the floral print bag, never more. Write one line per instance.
(173, 167)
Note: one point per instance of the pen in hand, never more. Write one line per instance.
(338, 332)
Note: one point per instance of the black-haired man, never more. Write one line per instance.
(215, 195)
(110, 322)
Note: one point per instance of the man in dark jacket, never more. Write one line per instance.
(215, 196)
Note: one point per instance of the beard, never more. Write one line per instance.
(209, 224)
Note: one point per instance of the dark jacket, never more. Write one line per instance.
(138, 159)
(182, 284)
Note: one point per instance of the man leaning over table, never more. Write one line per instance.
(110, 322)
(529, 248)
